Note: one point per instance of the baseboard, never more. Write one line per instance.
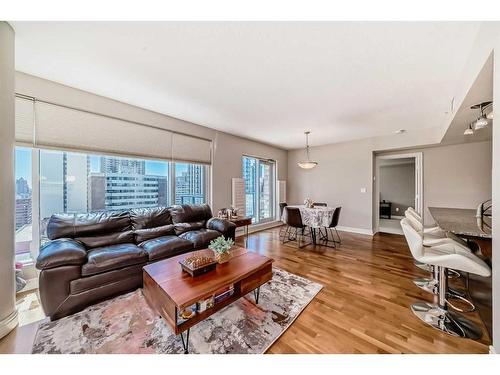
(8, 323)
(492, 350)
(258, 227)
(368, 232)
(391, 230)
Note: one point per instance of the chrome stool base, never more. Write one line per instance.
(427, 284)
(446, 321)
(423, 266)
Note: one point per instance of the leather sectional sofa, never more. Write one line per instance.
(95, 256)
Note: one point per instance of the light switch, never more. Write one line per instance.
(363, 190)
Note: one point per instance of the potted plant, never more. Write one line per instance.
(220, 246)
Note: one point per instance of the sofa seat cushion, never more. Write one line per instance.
(166, 247)
(113, 257)
(200, 238)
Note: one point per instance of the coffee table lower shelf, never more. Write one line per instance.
(167, 309)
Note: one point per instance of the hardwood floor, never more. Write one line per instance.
(363, 307)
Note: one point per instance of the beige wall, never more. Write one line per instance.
(343, 169)
(454, 176)
(228, 149)
(397, 185)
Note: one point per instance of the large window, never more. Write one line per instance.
(259, 178)
(78, 183)
(24, 204)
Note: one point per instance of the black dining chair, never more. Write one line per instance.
(331, 228)
(295, 229)
(282, 208)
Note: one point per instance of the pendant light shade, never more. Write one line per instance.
(481, 123)
(469, 130)
(307, 164)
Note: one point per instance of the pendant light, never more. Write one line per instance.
(469, 130)
(307, 164)
(482, 120)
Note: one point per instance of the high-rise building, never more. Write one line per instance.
(163, 190)
(63, 182)
(190, 185)
(97, 192)
(22, 187)
(115, 191)
(121, 165)
(23, 212)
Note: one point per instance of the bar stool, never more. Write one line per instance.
(443, 257)
(431, 284)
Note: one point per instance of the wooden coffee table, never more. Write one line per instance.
(169, 290)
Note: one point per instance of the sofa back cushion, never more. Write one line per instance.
(147, 234)
(88, 225)
(186, 227)
(103, 240)
(143, 218)
(187, 214)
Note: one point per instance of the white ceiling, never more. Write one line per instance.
(265, 81)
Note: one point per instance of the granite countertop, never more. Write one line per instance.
(462, 221)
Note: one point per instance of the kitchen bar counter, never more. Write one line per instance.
(465, 223)
(462, 222)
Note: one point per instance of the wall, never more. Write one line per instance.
(8, 311)
(228, 149)
(397, 185)
(343, 170)
(456, 176)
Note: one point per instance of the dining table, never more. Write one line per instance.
(315, 217)
(476, 230)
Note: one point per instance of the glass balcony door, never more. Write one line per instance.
(259, 178)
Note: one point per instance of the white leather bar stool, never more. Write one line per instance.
(431, 284)
(443, 257)
(434, 231)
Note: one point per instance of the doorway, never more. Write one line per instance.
(398, 185)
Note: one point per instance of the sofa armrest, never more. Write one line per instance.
(227, 228)
(61, 252)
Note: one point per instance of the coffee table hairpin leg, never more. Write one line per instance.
(256, 294)
(185, 344)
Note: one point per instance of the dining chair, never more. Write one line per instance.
(331, 228)
(282, 206)
(295, 229)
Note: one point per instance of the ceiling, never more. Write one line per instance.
(267, 81)
(480, 91)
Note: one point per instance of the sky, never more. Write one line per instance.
(23, 164)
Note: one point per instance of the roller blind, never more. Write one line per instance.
(24, 121)
(41, 124)
(191, 149)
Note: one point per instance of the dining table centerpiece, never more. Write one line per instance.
(308, 202)
(221, 246)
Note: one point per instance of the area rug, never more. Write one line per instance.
(126, 324)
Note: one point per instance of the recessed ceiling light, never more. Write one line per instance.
(400, 131)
